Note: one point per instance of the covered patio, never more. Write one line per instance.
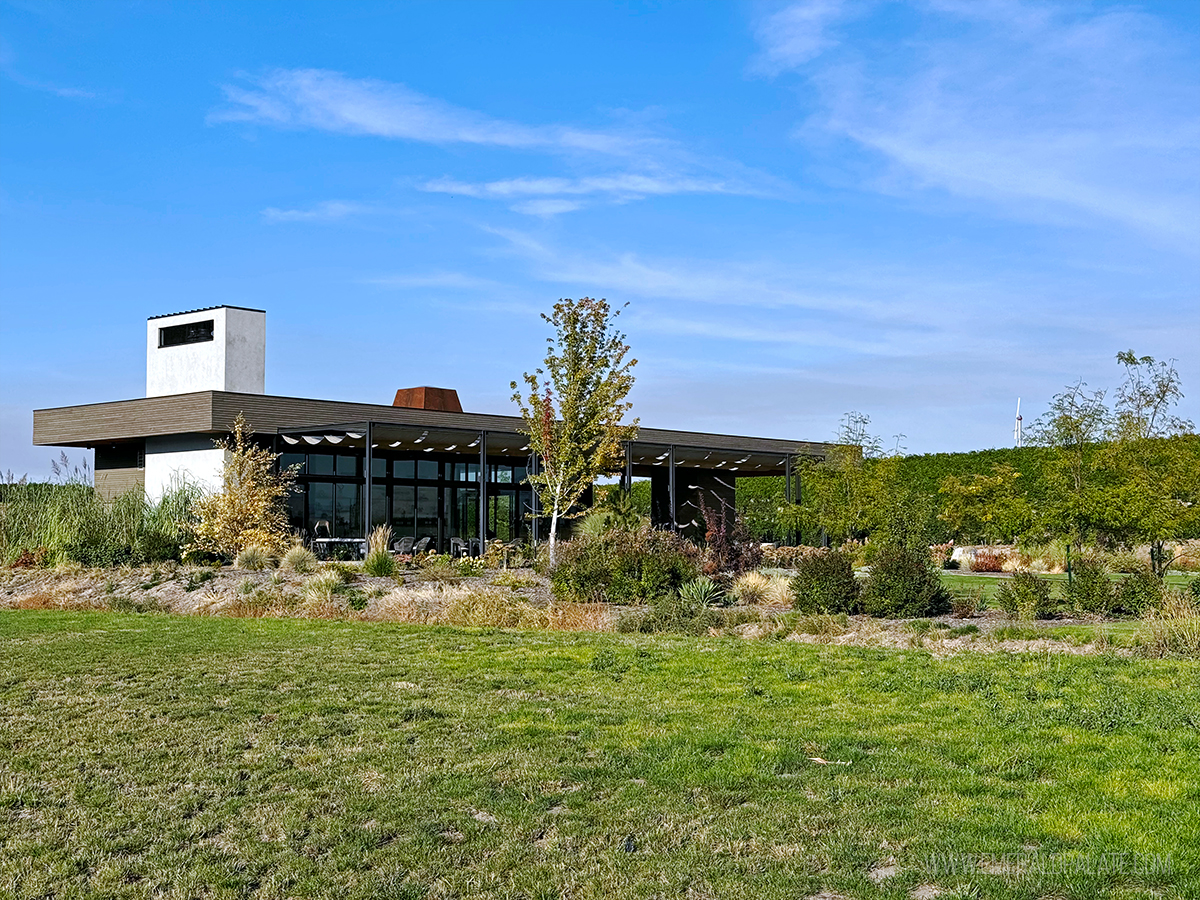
(457, 488)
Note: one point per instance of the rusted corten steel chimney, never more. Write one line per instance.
(443, 399)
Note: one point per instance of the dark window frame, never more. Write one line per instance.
(187, 333)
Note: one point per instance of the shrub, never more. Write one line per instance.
(1024, 596)
(904, 584)
(380, 564)
(698, 593)
(249, 510)
(989, 561)
(751, 588)
(469, 567)
(1126, 562)
(965, 604)
(1138, 593)
(730, 546)
(824, 583)
(253, 558)
(299, 559)
(628, 568)
(439, 567)
(1089, 590)
(513, 580)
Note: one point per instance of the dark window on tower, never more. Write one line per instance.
(190, 333)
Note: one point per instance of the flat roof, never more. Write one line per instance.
(213, 412)
(188, 312)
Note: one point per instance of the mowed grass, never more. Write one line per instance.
(164, 756)
(988, 584)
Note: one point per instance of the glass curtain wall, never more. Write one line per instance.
(431, 497)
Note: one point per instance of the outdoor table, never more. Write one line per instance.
(321, 545)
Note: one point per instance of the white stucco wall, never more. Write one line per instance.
(175, 457)
(234, 360)
(245, 351)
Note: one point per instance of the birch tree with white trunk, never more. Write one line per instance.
(575, 406)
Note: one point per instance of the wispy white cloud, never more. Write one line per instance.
(632, 165)
(620, 188)
(8, 67)
(331, 101)
(798, 33)
(1063, 114)
(328, 211)
(546, 208)
(626, 184)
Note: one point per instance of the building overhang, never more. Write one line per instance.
(420, 430)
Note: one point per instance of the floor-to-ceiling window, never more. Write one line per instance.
(418, 495)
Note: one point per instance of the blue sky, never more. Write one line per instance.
(916, 210)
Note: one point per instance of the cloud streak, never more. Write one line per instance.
(1063, 115)
(331, 101)
(632, 166)
(328, 211)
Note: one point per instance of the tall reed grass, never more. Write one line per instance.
(60, 522)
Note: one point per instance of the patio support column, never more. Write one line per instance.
(367, 484)
(787, 484)
(627, 475)
(671, 486)
(482, 491)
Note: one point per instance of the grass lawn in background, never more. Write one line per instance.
(961, 582)
(167, 756)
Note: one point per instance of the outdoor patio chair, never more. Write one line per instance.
(458, 547)
(422, 545)
(322, 529)
(404, 546)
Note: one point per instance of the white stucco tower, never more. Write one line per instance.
(217, 349)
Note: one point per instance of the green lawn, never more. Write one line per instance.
(164, 756)
(963, 582)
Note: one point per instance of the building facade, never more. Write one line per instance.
(420, 465)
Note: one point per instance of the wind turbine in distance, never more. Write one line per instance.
(1017, 425)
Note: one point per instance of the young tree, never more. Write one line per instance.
(1074, 428)
(1156, 493)
(576, 402)
(1145, 400)
(249, 510)
(991, 507)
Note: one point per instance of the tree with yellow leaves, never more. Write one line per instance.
(249, 510)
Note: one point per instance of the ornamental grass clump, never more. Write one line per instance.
(250, 508)
(299, 559)
(1173, 629)
(751, 588)
(379, 562)
(47, 524)
(254, 558)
